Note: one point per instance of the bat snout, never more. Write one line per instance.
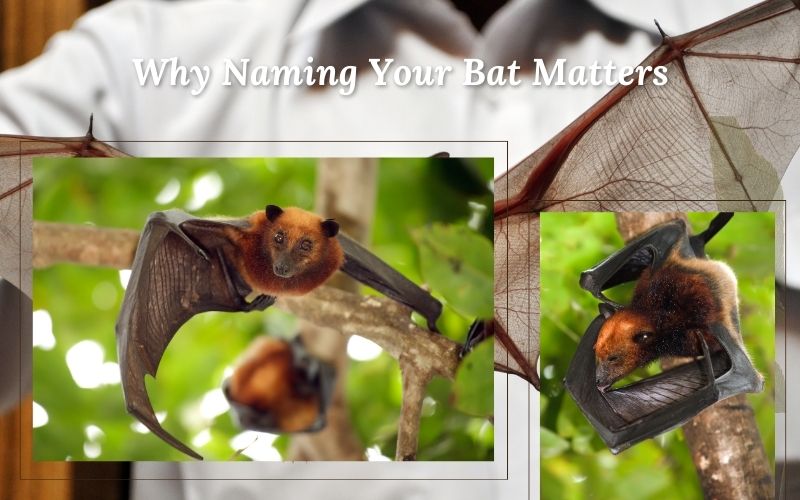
(282, 270)
(604, 377)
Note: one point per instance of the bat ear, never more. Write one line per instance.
(330, 228)
(273, 211)
(606, 310)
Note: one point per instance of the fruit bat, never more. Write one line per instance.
(717, 136)
(683, 305)
(280, 387)
(185, 266)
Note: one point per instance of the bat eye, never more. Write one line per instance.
(306, 245)
(641, 337)
(280, 237)
(613, 358)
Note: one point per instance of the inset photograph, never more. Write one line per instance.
(658, 347)
(262, 309)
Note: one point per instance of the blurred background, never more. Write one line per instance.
(575, 462)
(429, 213)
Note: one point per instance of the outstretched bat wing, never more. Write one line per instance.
(16, 180)
(718, 135)
(16, 218)
(174, 277)
(363, 266)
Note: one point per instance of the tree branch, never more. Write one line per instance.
(414, 382)
(724, 441)
(83, 244)
(337, 178)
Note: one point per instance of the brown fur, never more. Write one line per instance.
(266, 380)
(258, 249)
(669, 305)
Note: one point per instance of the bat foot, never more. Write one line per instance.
(478, 331)
(260, 303)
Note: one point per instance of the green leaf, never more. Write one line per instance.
(474, 384)
(551, 443)
(458, 263)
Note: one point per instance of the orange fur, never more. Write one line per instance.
(669, 305)
(616, 340)
(266, 380)
(257, 252)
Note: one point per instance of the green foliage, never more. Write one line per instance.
(470, 386)
(458, 263)
(575, 464)
(83, 303)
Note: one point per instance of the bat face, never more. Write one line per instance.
(297, 241)
(292, 252)
(624, 344)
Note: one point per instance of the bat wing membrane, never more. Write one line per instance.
(174, 277)
(363, 266)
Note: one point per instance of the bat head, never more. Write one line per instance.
(299, 242)
(626, 342)
(280, 387)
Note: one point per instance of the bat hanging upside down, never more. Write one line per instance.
(683, 305)
(278, 386)
(185, 266)
(672, 306)
(669, 306)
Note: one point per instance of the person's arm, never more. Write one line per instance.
(54, 94)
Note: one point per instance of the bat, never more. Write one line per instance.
(717, 136)
(185, 265)
(280, 387)
(478, 331)
(683, 305)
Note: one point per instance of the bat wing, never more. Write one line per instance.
(719, 135)
(180, 270)
(649, 249)
(627, 264)
(625, 416)
(16, 178)
(16, 218)
(645, 409)
(363, 266)
(516, 291)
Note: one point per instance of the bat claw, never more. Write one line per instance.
(202, 253)
(478, 331)
(260, 303)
